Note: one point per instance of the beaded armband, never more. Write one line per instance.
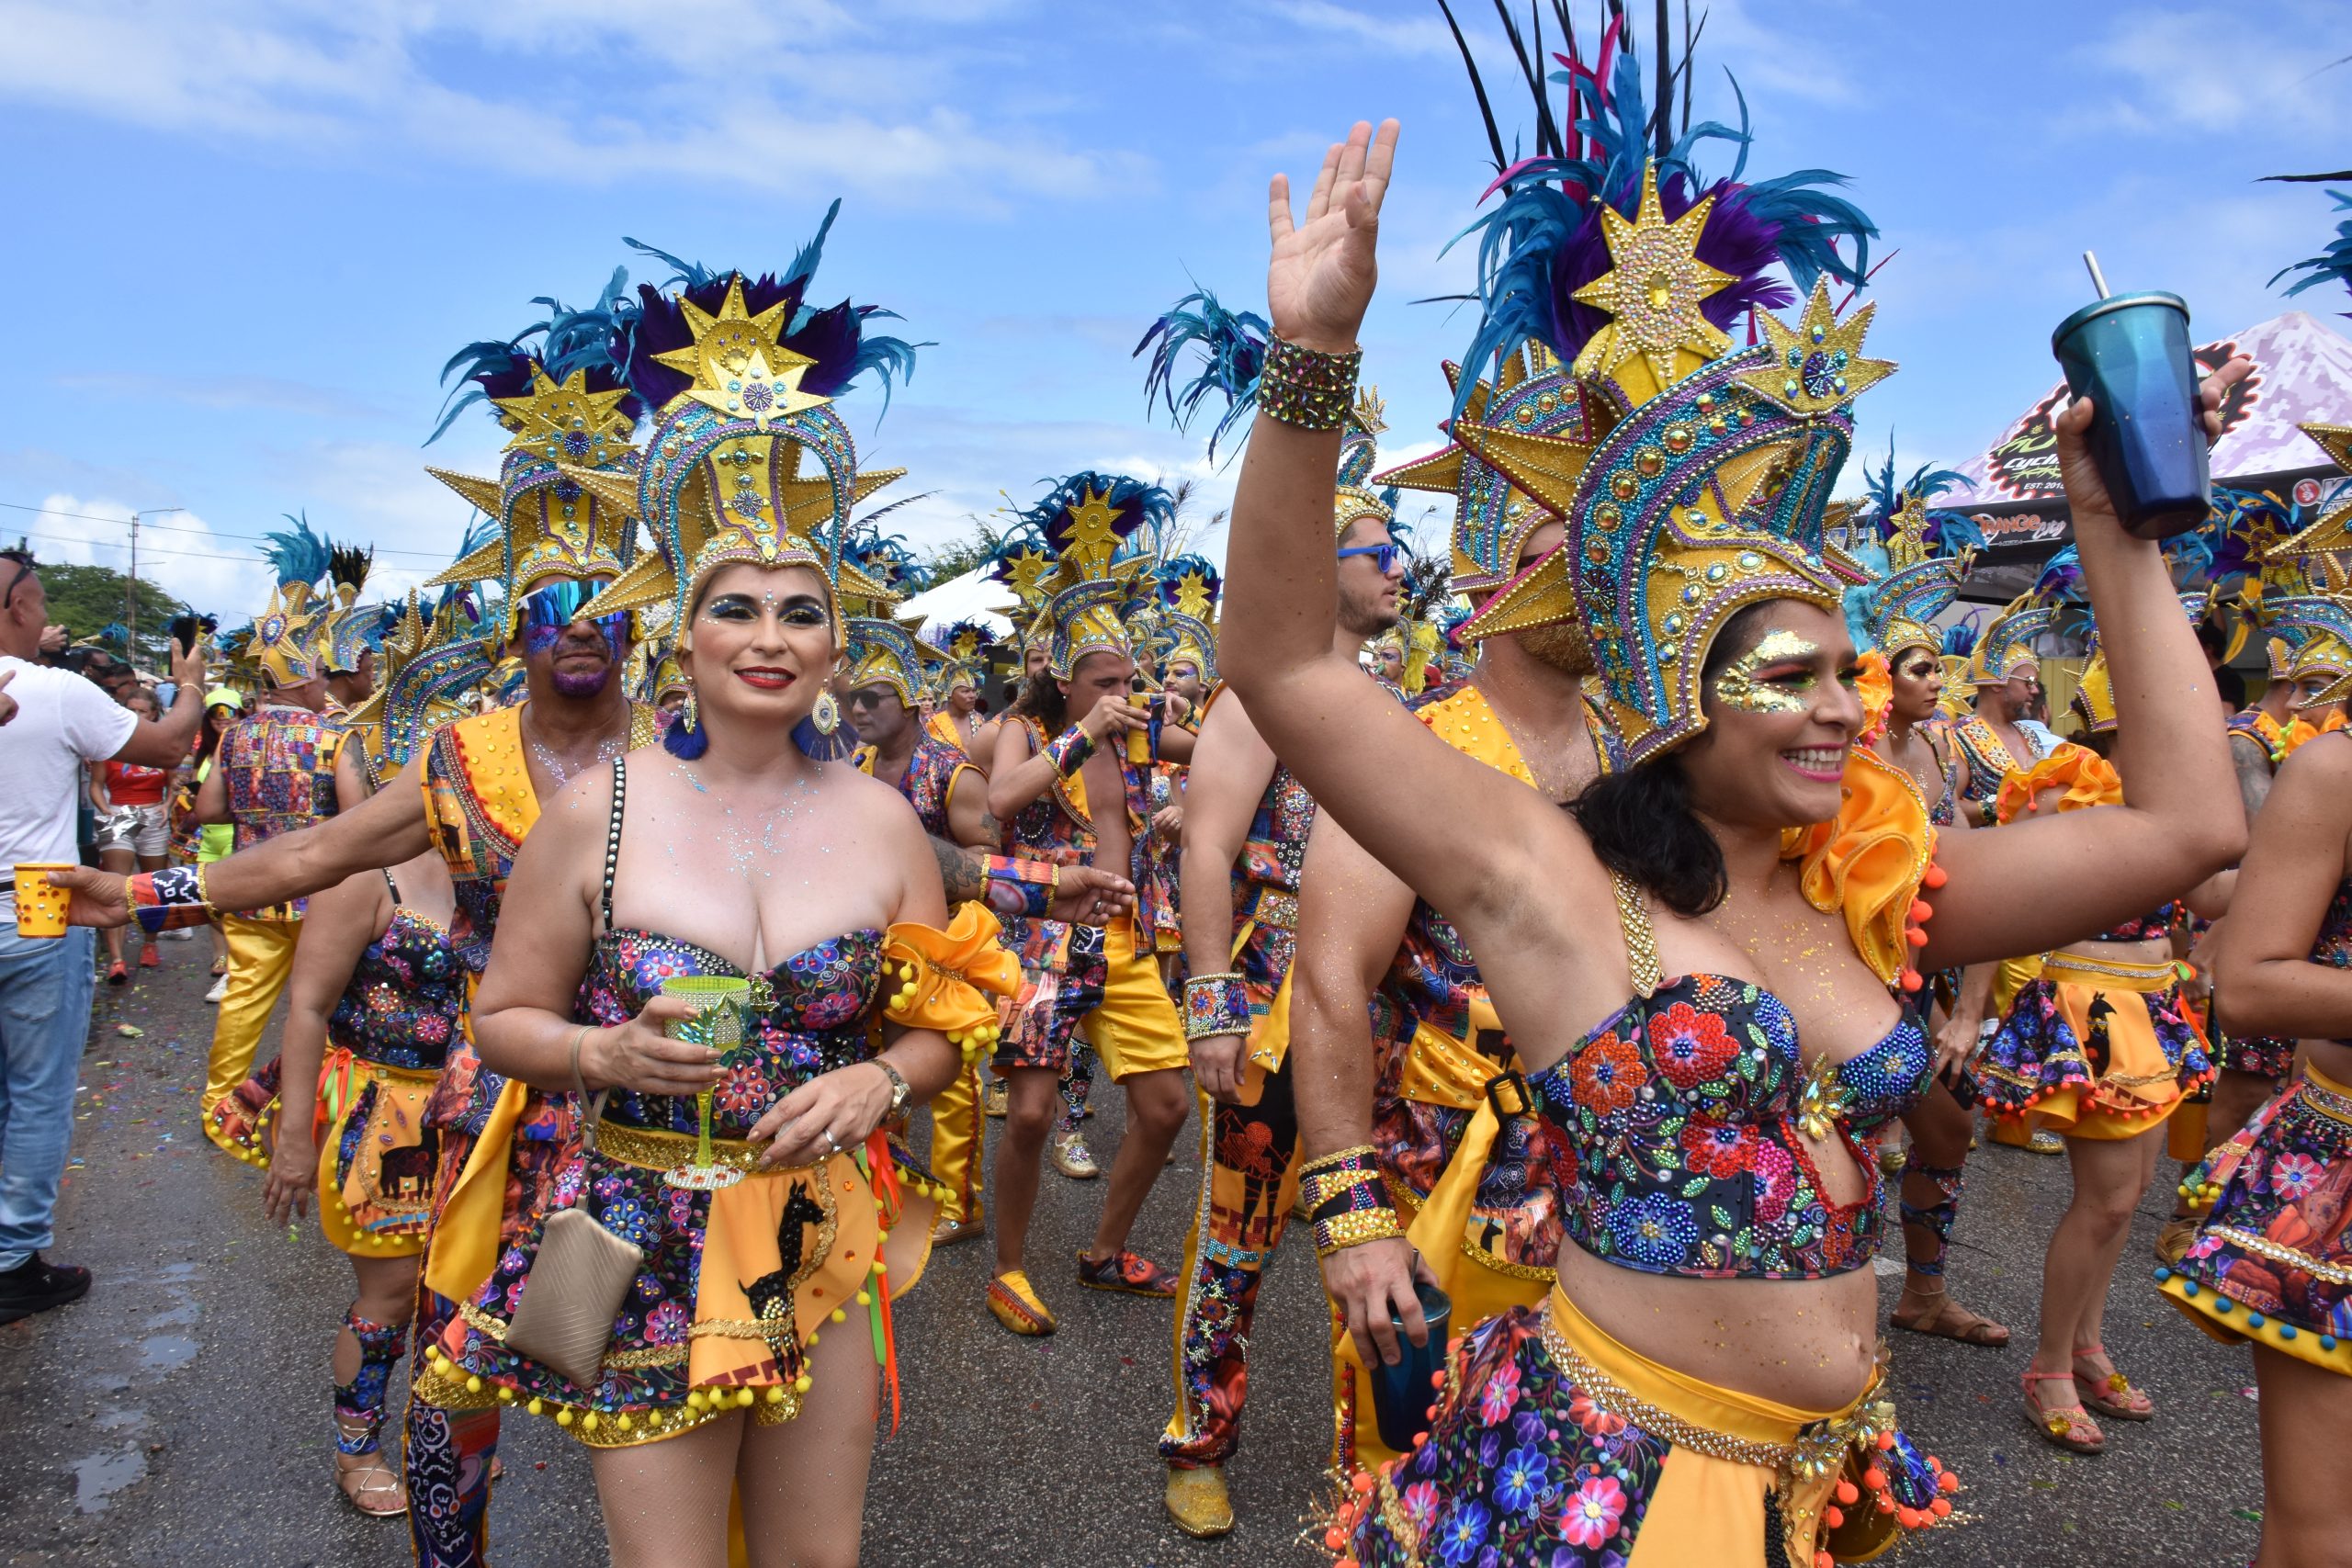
(1347, 1199)
(1306, 388)
(945, 979)
(1216, 1004)
(1068, 750)
(167, 899)
(1011, 886)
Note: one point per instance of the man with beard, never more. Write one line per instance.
(1405, 1081)
(1245, 839)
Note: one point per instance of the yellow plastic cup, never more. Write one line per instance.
(40, 903)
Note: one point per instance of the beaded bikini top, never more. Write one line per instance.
(1689, 1113)
(406, 995)
(807, 1017)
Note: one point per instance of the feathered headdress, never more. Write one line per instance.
(2332, 265)
(1697, 485)
(1188, 587)
(1233, 353)
(1916, 558)
(1099, 527)
(556, 389)
(285, 641)
(2005, 649)
(744, 372)
(354, 629)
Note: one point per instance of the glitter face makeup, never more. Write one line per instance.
(1737, 686)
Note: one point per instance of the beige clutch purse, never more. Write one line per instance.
(580, 1277)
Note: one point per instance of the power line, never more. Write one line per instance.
(124, 545)
(204, 533)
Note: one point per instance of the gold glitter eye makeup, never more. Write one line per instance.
(1738, 687)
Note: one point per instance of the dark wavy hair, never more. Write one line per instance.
(1041, 698)
(1640, 821)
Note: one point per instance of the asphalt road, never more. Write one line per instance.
(179, 1414)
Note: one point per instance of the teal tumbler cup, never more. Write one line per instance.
(2130, 355)
(1401, 1394)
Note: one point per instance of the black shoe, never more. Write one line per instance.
(36, 1285)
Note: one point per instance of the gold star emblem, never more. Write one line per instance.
(1092, 532)
(567, 422)
(738, 365)
(1819, 367)
(1193, 596)
(1653, 290)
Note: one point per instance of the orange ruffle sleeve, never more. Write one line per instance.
(1870, 862)
(2087, 778)
(945, 980)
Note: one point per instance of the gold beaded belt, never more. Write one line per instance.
(1276, 908)
(649, 1149)
(1818, 1447)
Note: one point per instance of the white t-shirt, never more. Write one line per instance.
(63, 721)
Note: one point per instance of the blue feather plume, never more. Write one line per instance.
(2332, 265)
(1545, 241)
(1233, 353)
(299, 555)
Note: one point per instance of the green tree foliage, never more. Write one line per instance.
(86, 600)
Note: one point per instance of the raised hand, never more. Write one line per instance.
(2078, 472)
(1321, 277)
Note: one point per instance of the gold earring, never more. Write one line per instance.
(686, 713)
(827, 714)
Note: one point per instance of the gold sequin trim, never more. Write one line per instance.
(2262, 1246)
(431, 1386)
(648, 1149)
(740, 1328)
(650, 1357)
(1641, 939)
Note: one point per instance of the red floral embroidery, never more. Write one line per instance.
(1690, 1047)
(1717, 1148)
(1609, 1075)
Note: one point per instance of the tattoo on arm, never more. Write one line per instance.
(963, 872)
(2254, 774)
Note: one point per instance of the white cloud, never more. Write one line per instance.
(1392, 29)
(179, 552)
(722, 92)
(2200, 72)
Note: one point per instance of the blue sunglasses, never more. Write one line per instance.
(1384, 557)
(557, 604)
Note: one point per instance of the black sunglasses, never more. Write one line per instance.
(872, 697)
(23, 562)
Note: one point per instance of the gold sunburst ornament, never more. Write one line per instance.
(1652, 294)
(1818, 366)
(740, 367)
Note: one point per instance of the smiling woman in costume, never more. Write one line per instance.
(753, 1181)
(1702, 962)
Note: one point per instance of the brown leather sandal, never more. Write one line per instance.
(1943, 1318)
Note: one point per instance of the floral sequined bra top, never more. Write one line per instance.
(808, 1014)
(1689, 1113)
(406, 995)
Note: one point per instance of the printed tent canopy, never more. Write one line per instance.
(971, 597)
(2302, 370)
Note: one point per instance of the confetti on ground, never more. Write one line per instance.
(2251, 1516)
(129, 1031)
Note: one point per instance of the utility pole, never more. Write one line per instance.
(130, 589)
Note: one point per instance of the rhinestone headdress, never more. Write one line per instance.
(1188, 586)
(1917, 560)
(747, 460)
(430, 671)
(1692, 476)
(1101, 528)
(287, 638)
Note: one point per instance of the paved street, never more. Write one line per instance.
(180, 1415)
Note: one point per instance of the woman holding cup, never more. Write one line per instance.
(716, 929)
(1700, 962)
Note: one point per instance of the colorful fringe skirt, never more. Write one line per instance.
(376, 1156)
(2272, 1262)
(734, 1286)
(2093, 1048)
(1554, 1445)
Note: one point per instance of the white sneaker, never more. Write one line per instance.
(180, 933)
(219, 989)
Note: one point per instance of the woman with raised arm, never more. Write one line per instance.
(1701, 962)
(2272, 1261)
(751, 1174)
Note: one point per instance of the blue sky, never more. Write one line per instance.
(244, 234)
